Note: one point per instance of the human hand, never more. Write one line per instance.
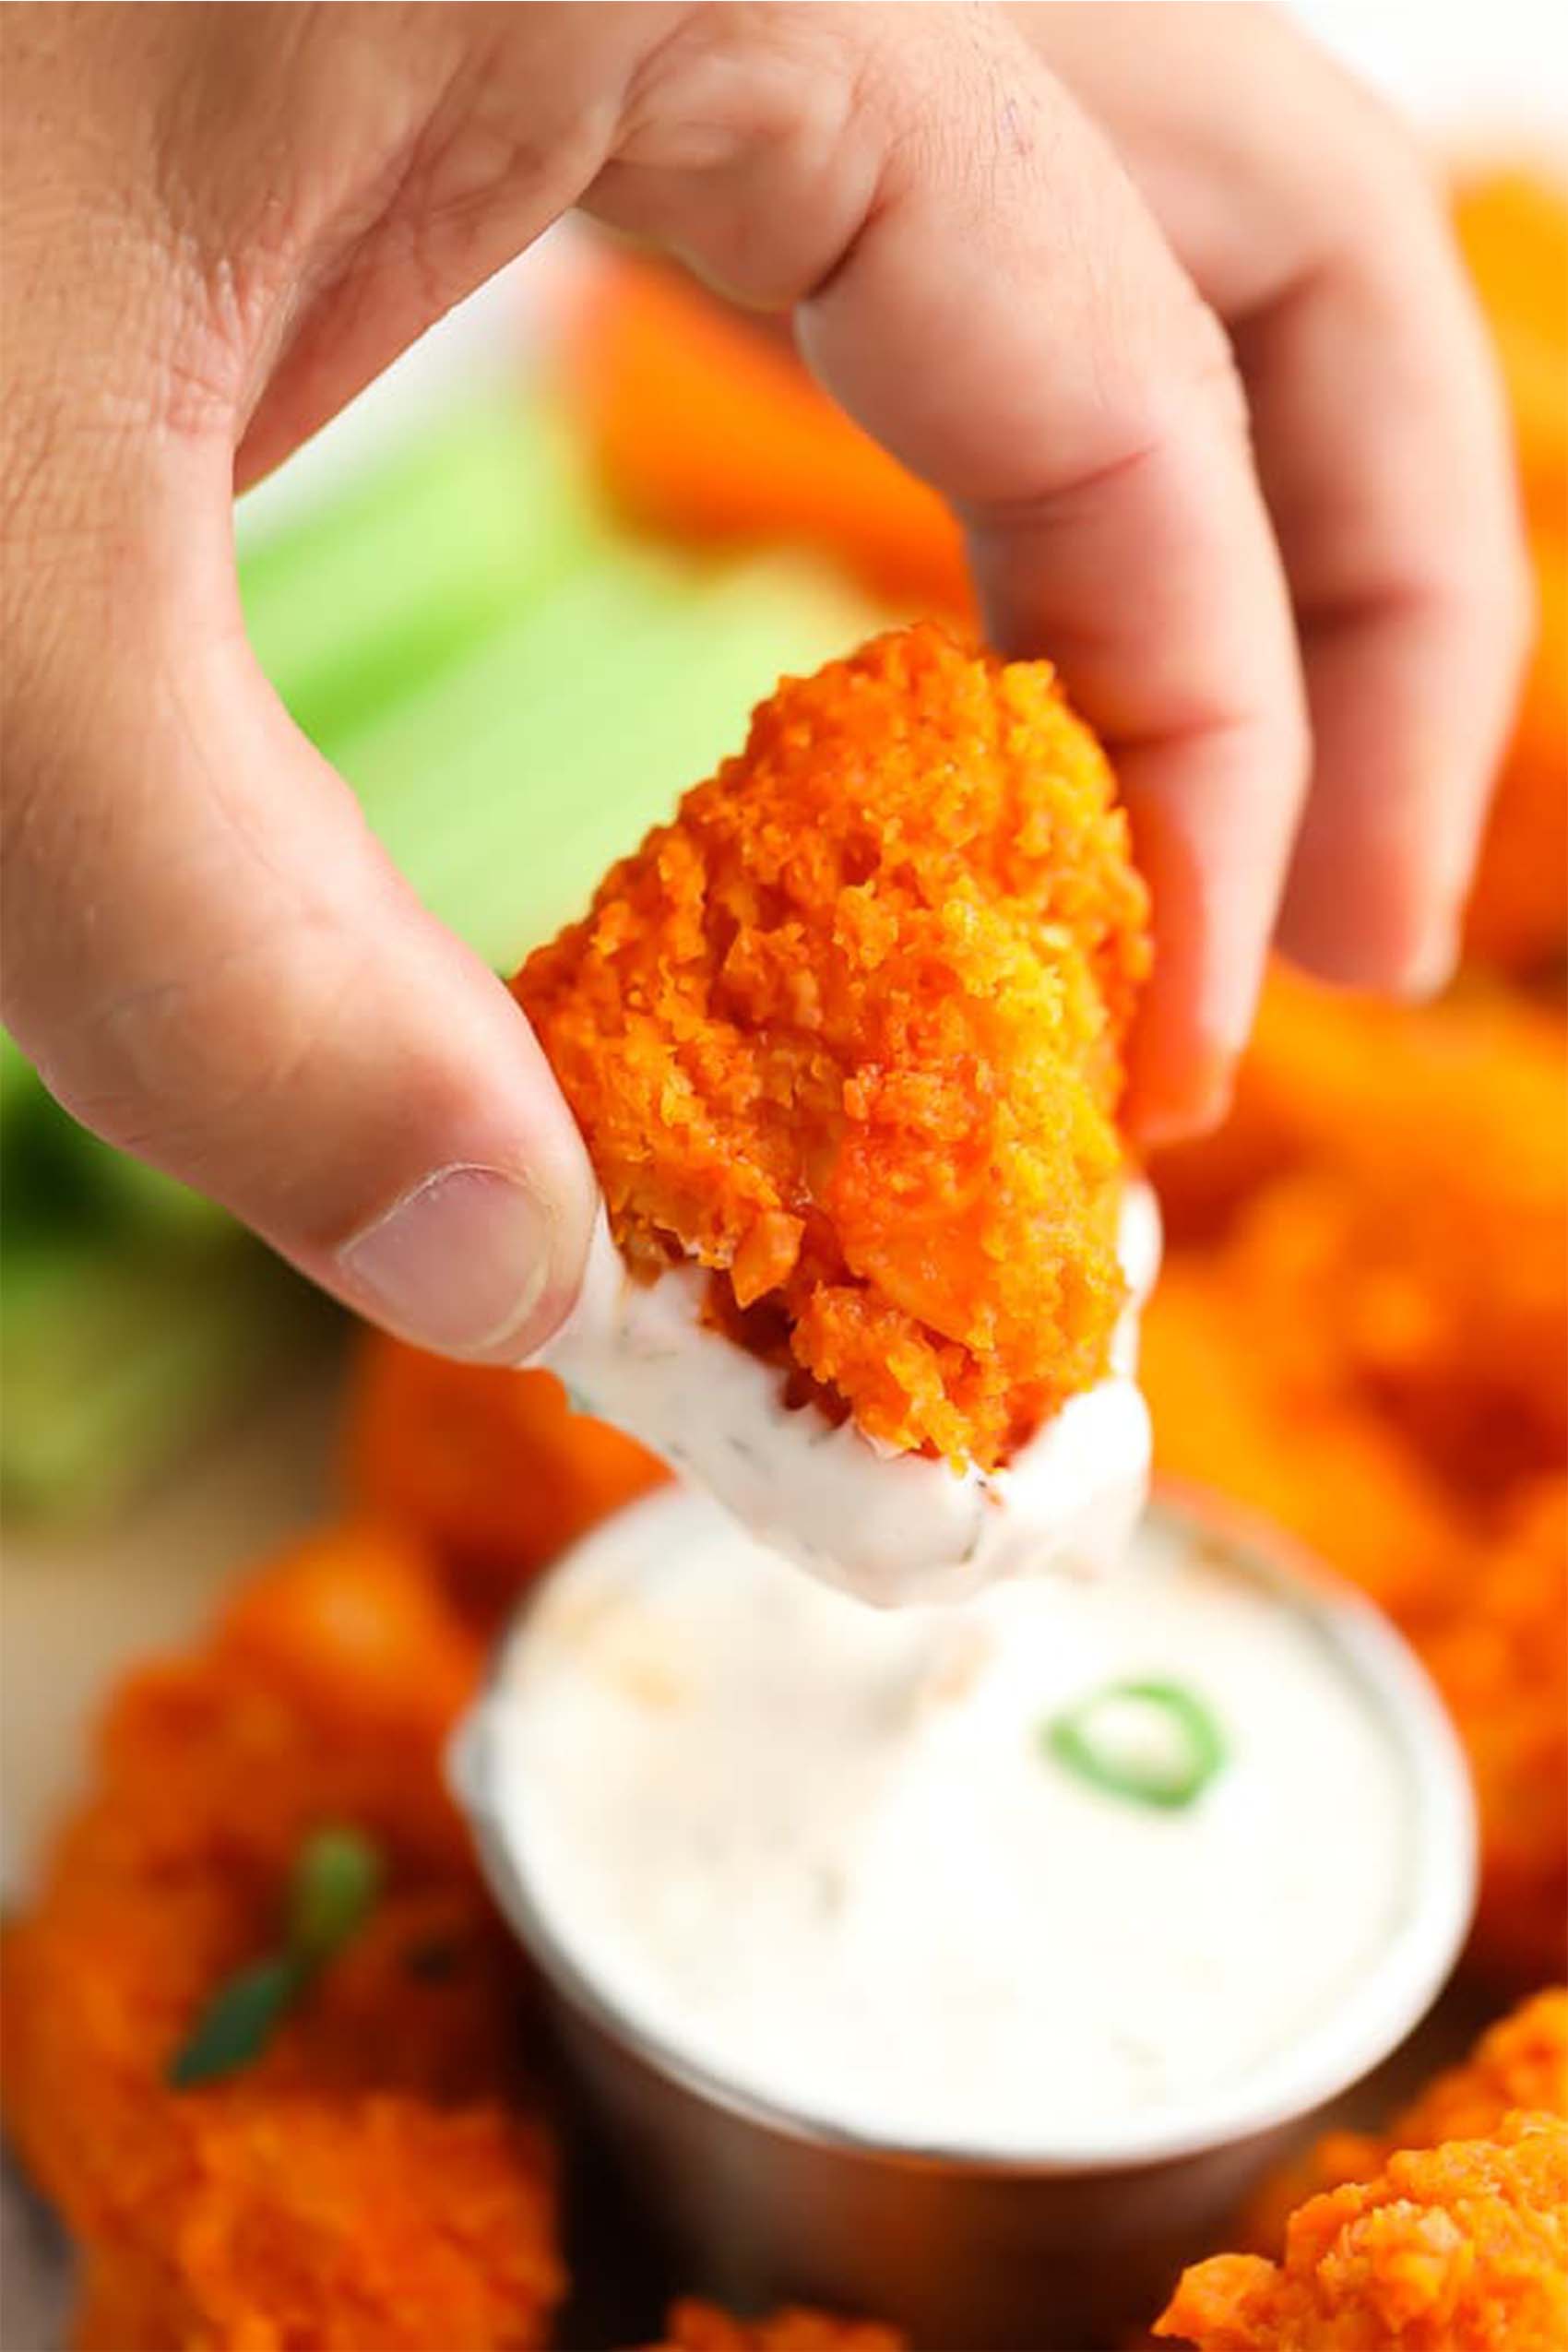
(219, 222)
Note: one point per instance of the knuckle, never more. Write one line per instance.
(1382, 186)
(195, 1055)
(1212, 367)
(1181, 378)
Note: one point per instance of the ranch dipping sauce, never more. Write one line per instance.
(925, 1878)
(891, 1528)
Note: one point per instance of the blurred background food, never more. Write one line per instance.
(547, 604)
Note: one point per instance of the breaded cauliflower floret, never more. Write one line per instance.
(1436, 1139)
(1520, 2061)
(1461, 2248)
(1512, 229)
(489, 1467)
(378, 2173)
(1497, 1649)
(849, 1032)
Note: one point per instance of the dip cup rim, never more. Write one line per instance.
(1388, 2003)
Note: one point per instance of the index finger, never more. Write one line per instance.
(1005, 317)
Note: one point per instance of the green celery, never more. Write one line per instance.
(56, 1176)
(117, 1358)
(16, 1075)
(353, 604)
(506, 788)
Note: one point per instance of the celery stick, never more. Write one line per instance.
(54, 1174)
(348, 608)
(142, 1198)
(116, 1359)
(506, 786)
(16, 1076)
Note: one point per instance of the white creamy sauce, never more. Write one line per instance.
(822, 1853)
(889, 1528)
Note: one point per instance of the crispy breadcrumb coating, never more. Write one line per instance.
(848, 1031)
(1519, 2061)
(1517, 916)
(1431, 1209)
(490, 1467)
(1264, 1426)
(1362, 1330)
(1258, 1392)
(1458, 1098)
(710, 431)
(378, 2175)
(1460, 2248)
(334, 2224)
(699, 2327)
(1512, 229)
(1496, 1645)
(1366, 1337)
(1522, 2060)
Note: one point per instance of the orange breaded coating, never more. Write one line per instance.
(1432, 1208)
(377, 2174)
(1520, 2061)
(1463, 1090)
(1257, 1393)
(1237, 1409)
(490, 1467)
(849, 1032)
(1461, 2248)
(1513, 227)
(1518, 915)
(709, 430)
(699, 2327)
(339, 2225)
(1496, 1645)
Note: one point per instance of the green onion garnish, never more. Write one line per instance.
(332, 1886)
(1153, 1744)
(238, 2022)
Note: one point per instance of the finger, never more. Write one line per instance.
(214, 966)
(1385, 457)
(497, 119)
(1307, 219)
(978, 282)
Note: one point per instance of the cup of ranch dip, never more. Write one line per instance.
(961, 1966)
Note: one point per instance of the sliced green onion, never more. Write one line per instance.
(119, 1358)
(1152, 1743)
(335, 1880)
(238, 2022)
(332, 1887)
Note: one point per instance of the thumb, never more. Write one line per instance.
(215, 967)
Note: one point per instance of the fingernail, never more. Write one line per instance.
(460, 1264)
(1434, 962)
(1159, 1117)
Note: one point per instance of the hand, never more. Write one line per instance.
(1318, 233)
(219, 222)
